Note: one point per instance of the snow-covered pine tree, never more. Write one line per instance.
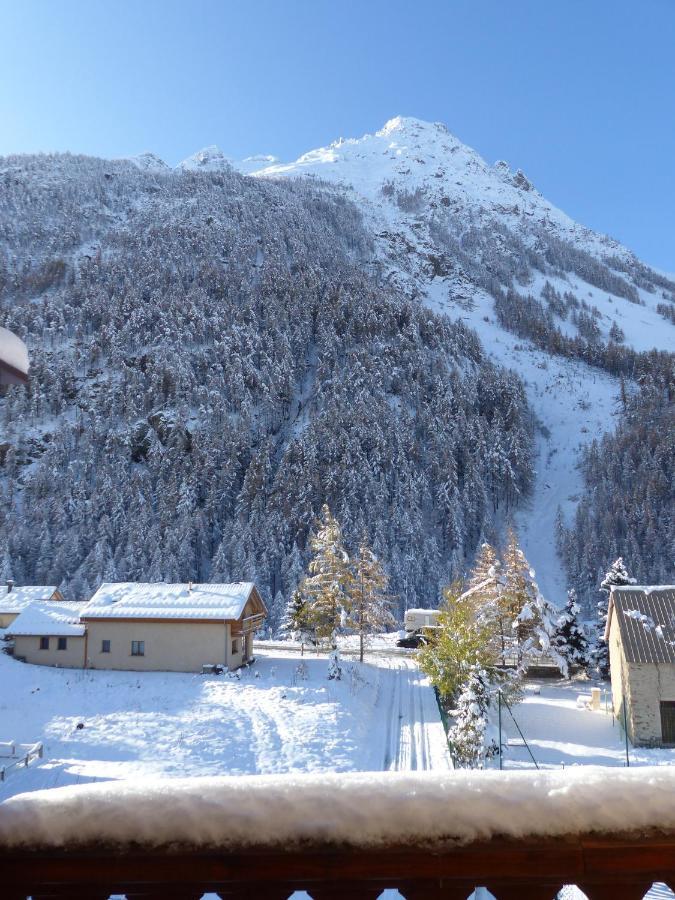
(467, 735)
(370, 607)
(296, 624)
(485, 569)
(276, 613)
(569, 639)
(327, 589)
(616, 576)
(538, 621)
(483, 594)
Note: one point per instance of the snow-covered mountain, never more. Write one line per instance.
(452, 228)
(215, 356)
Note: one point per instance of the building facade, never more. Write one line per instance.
(49, 634)
(171, 627)
(640, 634)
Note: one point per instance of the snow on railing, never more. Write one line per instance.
(521, 834)
(351, 809)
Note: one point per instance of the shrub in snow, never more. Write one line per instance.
(334, 668)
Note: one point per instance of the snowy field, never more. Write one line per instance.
(561, 734)
(276, 717)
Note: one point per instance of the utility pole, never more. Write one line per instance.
(625, 730)
(499, 697)
(361, 616)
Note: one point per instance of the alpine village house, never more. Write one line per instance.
(640, 633)
(144, 627)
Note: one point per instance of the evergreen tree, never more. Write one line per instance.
(616, 576)
(276, 613)
(296, 624)
(327, 590)
(467, 735)
(569, 639)
(370, 606)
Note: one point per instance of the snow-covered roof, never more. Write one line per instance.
(58, 618)
(158, 600)
(645, 615)
(13, 351)
(421, 612)
(19, 597)
(327, 809)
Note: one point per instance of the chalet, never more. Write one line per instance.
(640, 634)
(171, 627)
(15, 599)
(50, 634)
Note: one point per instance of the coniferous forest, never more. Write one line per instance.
(213, 358)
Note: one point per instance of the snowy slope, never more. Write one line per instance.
(412, 172)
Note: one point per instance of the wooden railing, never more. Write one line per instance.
(603, 868)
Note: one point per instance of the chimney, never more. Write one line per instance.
(10, 585)
(189, 587)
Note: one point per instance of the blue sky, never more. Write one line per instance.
(580, 94)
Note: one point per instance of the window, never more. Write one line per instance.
(668, 722)
(62, 644)
(44, 643)
(105, 646)
(235, 647)
(138, 648)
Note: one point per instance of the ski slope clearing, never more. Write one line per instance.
(561, 734)
(282, 715)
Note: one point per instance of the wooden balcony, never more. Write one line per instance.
(620, 865)
(604, 868)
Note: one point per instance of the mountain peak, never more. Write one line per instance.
(149, 162)
(209, 159)
(409, 123)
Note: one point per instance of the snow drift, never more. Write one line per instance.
(356, 809)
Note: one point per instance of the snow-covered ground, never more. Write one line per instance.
(274, 718)
(561, 734)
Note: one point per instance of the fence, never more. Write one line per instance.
(18, 755)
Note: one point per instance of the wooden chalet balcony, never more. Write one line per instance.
(114, 857)
(248, 625)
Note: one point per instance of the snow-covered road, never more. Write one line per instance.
(412, 740)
